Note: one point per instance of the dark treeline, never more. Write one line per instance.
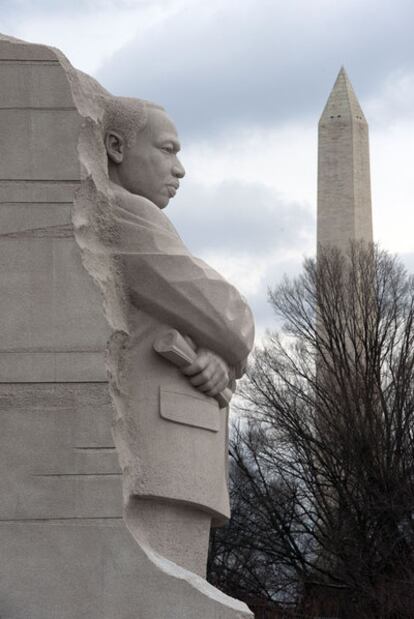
(322, 454)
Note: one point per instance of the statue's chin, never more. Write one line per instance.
(162, 203)
(159, 199)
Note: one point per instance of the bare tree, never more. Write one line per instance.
(324, 466)
(244, 558)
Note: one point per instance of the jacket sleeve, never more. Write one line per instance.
(163, 279)
(186, 294)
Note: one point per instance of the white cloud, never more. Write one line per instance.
(391, 117)
(222, 64)
(247, 272)
(91, 31)
(253, 275)
(392, 180)
(281, 157)
(393, 101)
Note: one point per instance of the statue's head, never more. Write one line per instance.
(142, 146)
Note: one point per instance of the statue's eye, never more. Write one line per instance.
(168, 149)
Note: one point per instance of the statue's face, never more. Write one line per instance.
(150, 167)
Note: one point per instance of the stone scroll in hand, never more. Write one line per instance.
(172, 346)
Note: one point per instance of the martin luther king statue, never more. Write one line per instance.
(185, 337)
(93, 268)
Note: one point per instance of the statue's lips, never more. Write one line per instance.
(172, 190)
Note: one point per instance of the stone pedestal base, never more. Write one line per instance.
(65, 551)
(80, 569)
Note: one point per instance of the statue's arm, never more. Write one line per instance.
(163, 279)
(185, 293)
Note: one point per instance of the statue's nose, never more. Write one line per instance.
(178, 169)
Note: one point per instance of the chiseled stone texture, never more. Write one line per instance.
(57, 455)
(344, 189)
(94, 570)
(52, 327)
(65, 552)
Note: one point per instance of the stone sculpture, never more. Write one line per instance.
(169, 431)
(76, 211)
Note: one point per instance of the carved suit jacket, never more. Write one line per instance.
(171, 439)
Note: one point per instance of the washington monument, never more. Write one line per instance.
(344, 187)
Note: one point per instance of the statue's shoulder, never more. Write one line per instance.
(138, 206)
(124, 198)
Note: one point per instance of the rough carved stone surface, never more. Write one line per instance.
(65, 549)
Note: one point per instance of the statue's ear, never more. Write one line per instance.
(115, 146)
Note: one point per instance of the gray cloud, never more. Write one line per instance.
(265, 61)
(244, 218)
(264, 315)
(14, 13)
(25, 7)
(408, 261)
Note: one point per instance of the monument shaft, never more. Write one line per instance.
(344, 189)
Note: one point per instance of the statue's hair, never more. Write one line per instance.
(126, 115)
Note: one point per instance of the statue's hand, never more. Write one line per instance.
(208, 372)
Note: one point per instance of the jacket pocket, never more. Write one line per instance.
(190, 410)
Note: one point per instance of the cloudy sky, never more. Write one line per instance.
(246, 82)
